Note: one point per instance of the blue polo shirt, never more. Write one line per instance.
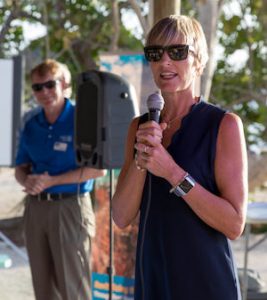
(50, 147)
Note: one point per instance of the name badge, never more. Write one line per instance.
(59, 146)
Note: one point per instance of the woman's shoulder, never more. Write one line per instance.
(231, 121)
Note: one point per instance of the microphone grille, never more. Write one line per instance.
(155, 101)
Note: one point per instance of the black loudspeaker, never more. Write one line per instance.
(105, 106)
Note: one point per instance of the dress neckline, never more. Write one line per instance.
(192, 109)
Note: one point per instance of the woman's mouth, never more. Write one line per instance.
(168, 75)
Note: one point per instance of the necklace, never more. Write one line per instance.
(169, 123)
(180, 117)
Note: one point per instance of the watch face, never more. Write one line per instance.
(185, 185)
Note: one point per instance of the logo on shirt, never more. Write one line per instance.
(59, 146)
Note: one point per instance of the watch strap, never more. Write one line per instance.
(184, 186)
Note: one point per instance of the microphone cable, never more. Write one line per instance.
(143, 235)
(80, 231)
(155, 104)
(79, 183)
(147, 209)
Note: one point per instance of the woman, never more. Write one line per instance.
(187, 176)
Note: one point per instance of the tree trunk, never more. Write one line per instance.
(143, 22)
(116, 26)
(158, 9)
(163, 8)
(208, 15)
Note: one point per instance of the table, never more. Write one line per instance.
(256, 214)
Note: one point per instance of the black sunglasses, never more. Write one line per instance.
(50, 84)
(175, 52)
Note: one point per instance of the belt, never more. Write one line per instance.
(53, 196)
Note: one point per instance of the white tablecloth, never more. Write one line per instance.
(257, 212)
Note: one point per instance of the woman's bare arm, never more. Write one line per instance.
(127, 198)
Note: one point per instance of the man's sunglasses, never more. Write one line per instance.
(175, 52)
(50, 84)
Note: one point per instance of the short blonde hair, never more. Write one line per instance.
(186, 28)
(55, 68)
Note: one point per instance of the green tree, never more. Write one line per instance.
(76, 30)
(244, 35)
(242, 86)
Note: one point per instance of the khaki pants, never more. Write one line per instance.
(58, 243)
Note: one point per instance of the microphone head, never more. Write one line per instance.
(155, 101)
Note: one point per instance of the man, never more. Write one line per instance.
(59, 220)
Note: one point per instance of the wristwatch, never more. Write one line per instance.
(184, 186)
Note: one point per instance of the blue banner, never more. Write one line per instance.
(122, 288)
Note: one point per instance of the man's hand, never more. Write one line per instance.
(35, 184)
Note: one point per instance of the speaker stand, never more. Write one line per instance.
(110, 268)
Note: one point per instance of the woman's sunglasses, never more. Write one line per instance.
(50, 84)
(175, 52)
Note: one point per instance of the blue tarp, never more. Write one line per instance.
(123, 288)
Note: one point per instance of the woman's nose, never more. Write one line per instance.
(165, 57)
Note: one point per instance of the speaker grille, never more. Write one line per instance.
(86, 120)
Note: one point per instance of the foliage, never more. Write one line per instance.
(77, 30)
(187, 8)
(242, 87)
(12, 36)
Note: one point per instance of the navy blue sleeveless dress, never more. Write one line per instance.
(179, 257)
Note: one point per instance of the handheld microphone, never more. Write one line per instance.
(155, 103)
